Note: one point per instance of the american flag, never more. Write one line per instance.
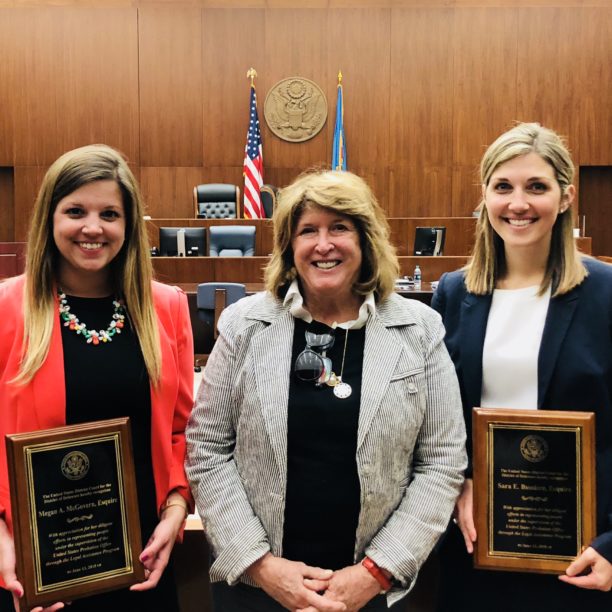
(253, 165)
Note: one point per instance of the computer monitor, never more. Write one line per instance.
(429, 240)
(182, 241)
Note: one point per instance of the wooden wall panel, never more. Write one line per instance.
(168, 192)
(419, 191)
(170, 80)
(427, 85)
(421, 86)
(366, 70)
(297, 44)
(9, 77)
(421, 112)
(233, 41)
(78, 81)
(17, 251)
(27, 183)
(595, 87)
(466, 189)
(484, 57)
(548, 78)
(7, 204)
(250, 269)
(366, 84)
(312, 3)
(207, 269)
(596, 197)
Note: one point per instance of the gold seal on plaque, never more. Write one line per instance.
(534, 448)
(75, 465)
(295, 109)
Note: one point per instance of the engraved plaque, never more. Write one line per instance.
(534, 488)
(75, 511)
(295, 109)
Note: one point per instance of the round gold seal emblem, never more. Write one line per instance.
(534, 448)
(75, 465)
(295, 109)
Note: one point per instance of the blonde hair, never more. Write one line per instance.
(346, 194)
(131, 270)
(564, 269)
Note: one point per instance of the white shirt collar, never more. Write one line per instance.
(295, 302)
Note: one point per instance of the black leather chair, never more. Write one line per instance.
(212, 298)
(231, 240)
(216, 201)
(268, 199)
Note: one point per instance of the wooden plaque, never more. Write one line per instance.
(534, 488)
(75, 511)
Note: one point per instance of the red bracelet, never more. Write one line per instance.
(378, 574)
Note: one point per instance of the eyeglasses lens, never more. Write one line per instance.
(310, 366)
(321, 342)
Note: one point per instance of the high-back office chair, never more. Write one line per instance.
(231, 240)
(212, 298)
(216, 201)
(268, 199)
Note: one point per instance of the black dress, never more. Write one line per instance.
(104, 382)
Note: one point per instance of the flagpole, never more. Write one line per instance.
(252, 74)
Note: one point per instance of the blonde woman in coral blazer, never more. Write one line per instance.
(87, 335)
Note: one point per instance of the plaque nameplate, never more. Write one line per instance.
(75, 511)
(534, 488)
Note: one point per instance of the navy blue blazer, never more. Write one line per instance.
(574, 362)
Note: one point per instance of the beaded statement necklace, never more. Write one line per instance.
(91, 335)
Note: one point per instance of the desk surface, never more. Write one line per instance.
(423, 294)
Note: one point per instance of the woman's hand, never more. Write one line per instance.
(463, 515)
(156, 553)
(7, 571)
(293, 584)
(353, 585)
(599, 576)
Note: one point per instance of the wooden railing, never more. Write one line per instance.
(12, 258)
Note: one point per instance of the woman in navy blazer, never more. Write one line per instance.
(524, 243)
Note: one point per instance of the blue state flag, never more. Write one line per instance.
(339, 145)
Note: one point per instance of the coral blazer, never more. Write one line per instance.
(41, 403)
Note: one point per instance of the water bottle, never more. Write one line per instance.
(417, 278)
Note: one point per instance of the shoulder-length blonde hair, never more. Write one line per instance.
(346, 194)
(131, 270)
(564, 269)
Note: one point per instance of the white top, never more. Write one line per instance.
(511, 347)
(295, 301)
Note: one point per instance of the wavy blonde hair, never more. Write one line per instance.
(564, 269)
(131, 270)
(346, 194)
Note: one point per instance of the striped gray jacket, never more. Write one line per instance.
(410, 441)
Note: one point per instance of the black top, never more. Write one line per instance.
(323, 492)
(107, 381)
